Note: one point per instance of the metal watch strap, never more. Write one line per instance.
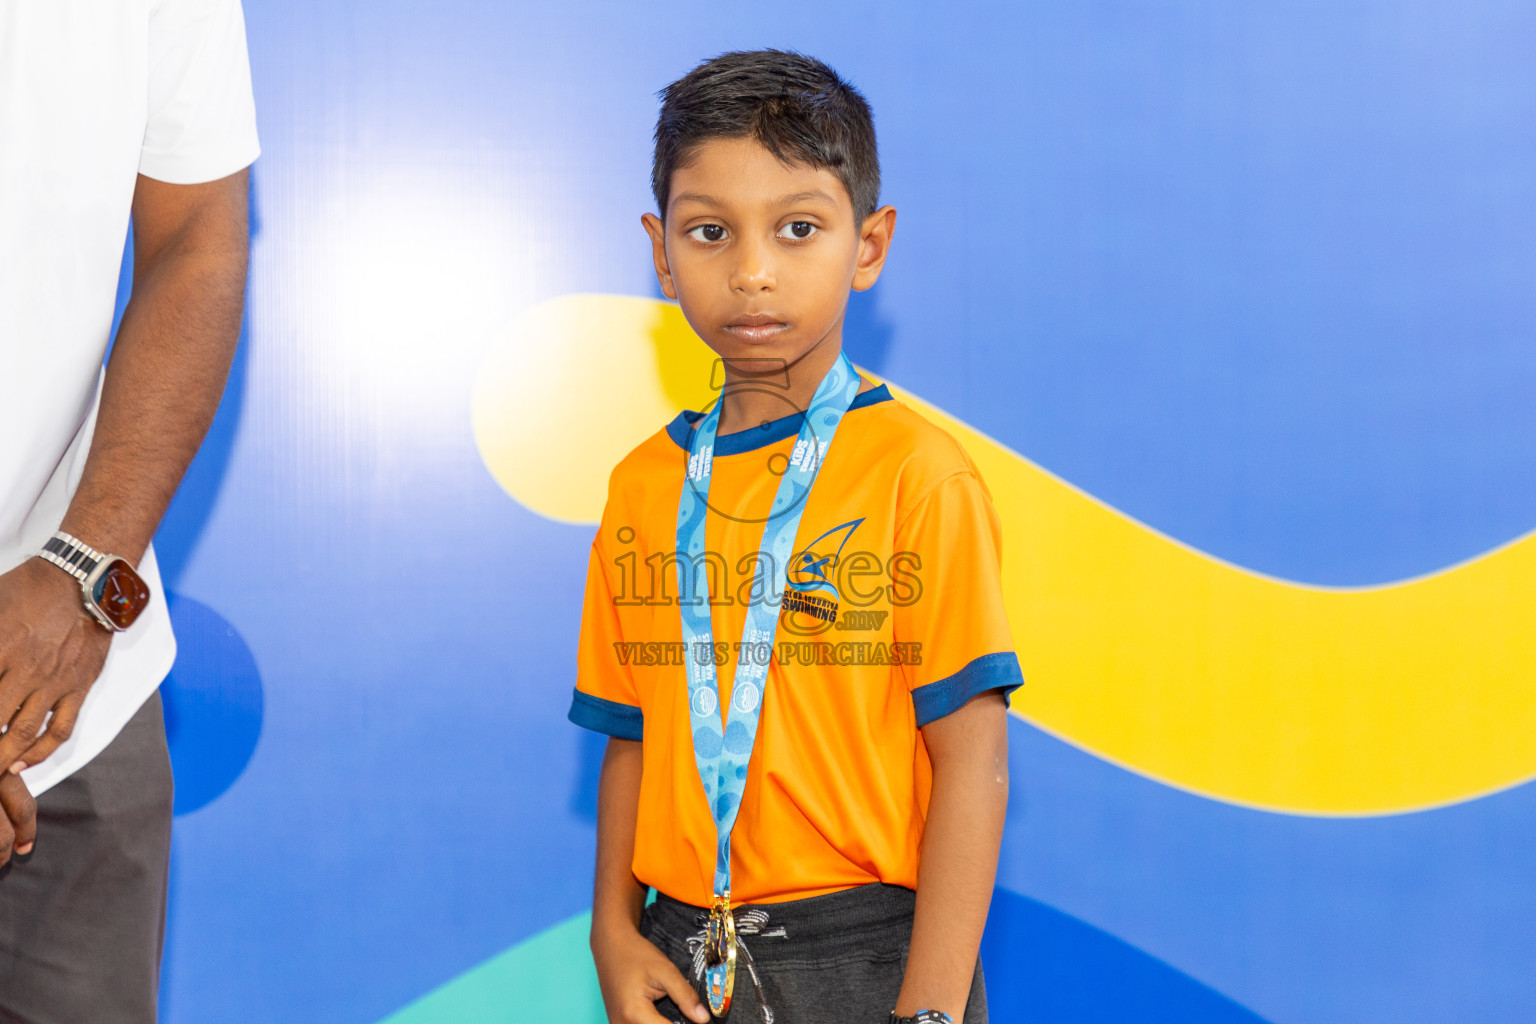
(923, 1017)
(71, 554)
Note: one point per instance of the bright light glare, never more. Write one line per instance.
(412, 275)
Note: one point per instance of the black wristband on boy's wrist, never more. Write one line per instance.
(923, 1017)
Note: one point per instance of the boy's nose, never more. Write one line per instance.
(754, 270)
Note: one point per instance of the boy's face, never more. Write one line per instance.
(761, 255)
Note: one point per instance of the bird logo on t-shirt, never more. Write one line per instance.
(809, 590)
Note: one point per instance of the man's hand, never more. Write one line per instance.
(51, 651)
(633, 974)
(18, 817)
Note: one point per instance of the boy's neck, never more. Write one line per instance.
(756, 392)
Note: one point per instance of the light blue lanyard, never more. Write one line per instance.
(722, 752)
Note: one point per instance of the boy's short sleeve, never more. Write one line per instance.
(605, 699)
(952, 603)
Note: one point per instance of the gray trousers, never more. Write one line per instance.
(82, 917)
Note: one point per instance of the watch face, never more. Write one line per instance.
(120, 594)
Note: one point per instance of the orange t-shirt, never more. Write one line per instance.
(900, 523)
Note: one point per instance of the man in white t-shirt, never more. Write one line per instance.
(106, 107)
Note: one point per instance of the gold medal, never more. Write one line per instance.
(720, 955)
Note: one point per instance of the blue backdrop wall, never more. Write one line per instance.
(1258, 276)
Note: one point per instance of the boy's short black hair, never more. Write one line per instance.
(796, 106)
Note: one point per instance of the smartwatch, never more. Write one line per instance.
(114, 594)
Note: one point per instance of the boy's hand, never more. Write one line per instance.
(634, 974)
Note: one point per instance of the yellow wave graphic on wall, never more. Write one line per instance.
(1136, 647)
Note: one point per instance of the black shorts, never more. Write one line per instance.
(833, 959)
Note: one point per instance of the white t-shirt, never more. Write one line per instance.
(93, 93)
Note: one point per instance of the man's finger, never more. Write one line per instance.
(60, 727)
(12, 693)
(680, 991)
(20, 811)
(25, 725)
(7, 837)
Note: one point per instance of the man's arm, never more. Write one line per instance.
(163, 384)
(964, 830)
(633, 973)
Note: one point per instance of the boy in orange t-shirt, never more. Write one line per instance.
(794, 632)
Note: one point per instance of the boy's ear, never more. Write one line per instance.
(658, 233)
(874, 246)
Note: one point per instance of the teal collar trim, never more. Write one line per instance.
(769, 433)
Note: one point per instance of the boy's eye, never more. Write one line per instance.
(708, 232)
(797, 229)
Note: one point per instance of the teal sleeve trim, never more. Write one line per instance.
(989, 672)
(621, 721)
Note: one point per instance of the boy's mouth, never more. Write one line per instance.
(756, 327)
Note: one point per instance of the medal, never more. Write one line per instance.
(720, 956)
(722, 748)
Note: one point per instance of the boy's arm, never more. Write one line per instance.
(632, 972)
(617, 896)
(964, 830)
